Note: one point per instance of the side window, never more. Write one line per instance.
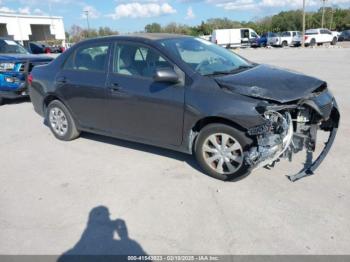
(92, 58)
(294, 33)
(134, 60)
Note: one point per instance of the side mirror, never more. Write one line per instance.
(166, 75)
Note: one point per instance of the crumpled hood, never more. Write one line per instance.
(24, 57)
(270, 83)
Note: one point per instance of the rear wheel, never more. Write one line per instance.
(334, 41)
(312, 42)
(61, 121)
(219, 150)
(284, 44)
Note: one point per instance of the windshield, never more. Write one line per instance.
(205, 57)
(11, 47)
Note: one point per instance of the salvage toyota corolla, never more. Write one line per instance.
(189, 95)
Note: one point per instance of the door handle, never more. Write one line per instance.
(61, 80)
(115, 87)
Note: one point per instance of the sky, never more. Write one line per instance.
(132, 15)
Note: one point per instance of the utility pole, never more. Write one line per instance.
(331, 23)
(87, 21)
(303, 33)
(323, 6)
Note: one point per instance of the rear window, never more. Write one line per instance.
(311, 32)
(89, 58)
(285, 34)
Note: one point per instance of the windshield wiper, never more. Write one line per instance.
(235, 70)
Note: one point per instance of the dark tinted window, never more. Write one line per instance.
(135, 60)
(285, 34)
(11, 47)
(92, 58)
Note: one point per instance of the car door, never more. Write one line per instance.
(139, 107)
(82, 84)
(324, 36)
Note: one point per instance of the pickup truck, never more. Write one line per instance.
(15, 64)
(287, 38)
(319, 36)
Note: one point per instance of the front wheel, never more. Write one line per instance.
(61, 121)
(219, 150)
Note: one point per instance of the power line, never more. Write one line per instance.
(87, 20)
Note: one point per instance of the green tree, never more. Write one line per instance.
(153, 28)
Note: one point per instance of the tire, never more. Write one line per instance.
(284, 44)
(334, 41)
(61, 122)
(228, 164)
(1, 101)
(313, 42)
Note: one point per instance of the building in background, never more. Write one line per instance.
(26, 28)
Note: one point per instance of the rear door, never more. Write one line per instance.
(82, 84)
(138, 107)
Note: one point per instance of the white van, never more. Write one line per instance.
(233, 37)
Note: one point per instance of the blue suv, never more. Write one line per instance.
(15, 64)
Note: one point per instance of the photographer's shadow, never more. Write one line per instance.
(98, 238)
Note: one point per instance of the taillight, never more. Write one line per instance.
(305, 37)
(30, 79)
(47, 50)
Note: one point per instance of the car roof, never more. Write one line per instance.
(138, 36)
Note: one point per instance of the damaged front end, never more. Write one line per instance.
(292, 127)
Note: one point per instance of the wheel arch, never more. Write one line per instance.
(51, 97)
(203, 122)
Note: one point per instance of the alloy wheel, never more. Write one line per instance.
(223, 153)
(58, 121)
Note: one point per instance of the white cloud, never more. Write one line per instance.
(21, 10)
(5, 9)
(142, 10)
(93, 13)
(38, 11)
(24, 10)
(190, 14)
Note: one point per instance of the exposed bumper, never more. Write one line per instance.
(310, 166)
(319, 112)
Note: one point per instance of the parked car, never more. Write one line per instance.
(40, 48)
(260, 41)
(286, 38)
(233, 37)
(185, 94)
(272, 38)
(344, 36)
(319, 36)
(15, 63)
(290, 38)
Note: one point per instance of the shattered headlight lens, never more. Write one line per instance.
(7, 67)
